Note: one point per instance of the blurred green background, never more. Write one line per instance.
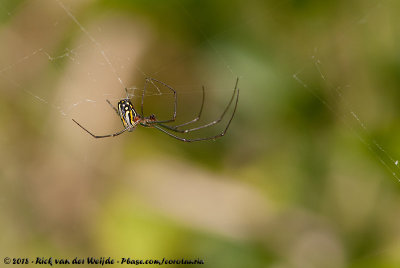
(306, 176)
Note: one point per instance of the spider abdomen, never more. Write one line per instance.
(127, 114)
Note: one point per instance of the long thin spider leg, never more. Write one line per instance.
(206, 138)
(224, 112)
(173, 128)
(127, 94)
(167, 127)
(103, 136)
(115, 109)
(152, 80)
(198, 116)
(170, 134)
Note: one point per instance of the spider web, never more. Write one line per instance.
(71, 60)
(351, 120)
(347, 114)
(71, 55)
(109, 61)
(88, 47)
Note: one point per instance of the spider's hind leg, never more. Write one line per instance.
(195, 119)
(176, 128)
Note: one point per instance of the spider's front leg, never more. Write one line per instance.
(155, 82)
(115, 109)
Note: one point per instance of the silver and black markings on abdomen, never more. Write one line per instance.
(127, 113)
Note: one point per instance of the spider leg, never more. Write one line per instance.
(103, 136)
(152, 80)
(160, 127)
(174, 128)
(172, 135)
(198, 116)
(115, 109)
(127, 94)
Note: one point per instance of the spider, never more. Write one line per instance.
(130, 118)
